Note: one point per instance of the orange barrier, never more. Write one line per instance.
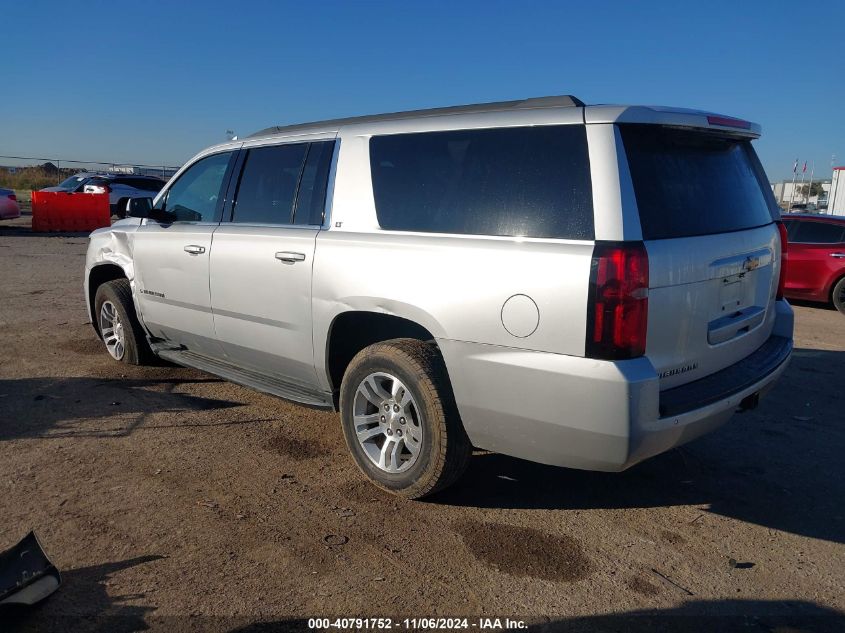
(60, 211)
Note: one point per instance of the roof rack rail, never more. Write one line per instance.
(558, 101)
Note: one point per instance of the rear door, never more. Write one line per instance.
(263, 259)
(707, 219)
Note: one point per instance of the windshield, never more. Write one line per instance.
(73, 182)
(695, 183)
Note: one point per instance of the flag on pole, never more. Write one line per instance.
(795, 166)
(804, 170)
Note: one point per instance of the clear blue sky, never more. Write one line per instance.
(154, 82)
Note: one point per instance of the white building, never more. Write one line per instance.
(837, 192)
(783, 192)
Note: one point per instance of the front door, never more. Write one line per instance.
(171, 255)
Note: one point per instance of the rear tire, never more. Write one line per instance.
(118, 324)
(400, 420)
(838, 295)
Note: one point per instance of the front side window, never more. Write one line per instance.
(195, 196)
(523, 181)
(268, 184)
(818, 233)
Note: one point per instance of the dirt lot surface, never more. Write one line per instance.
(171, 500)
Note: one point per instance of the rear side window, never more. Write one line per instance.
(311, 201)
(818, 233)
(695, 183)
(527, 181)
(268, 184)
(145, 184)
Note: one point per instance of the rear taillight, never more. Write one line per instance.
(617, 312)
(12, 196)
(784, 258)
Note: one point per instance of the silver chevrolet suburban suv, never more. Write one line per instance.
(583, 286)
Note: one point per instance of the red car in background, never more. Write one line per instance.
(816, 266)
(9, 205)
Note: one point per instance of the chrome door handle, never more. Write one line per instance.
(837, 255)
(193, 249)
(289, 257)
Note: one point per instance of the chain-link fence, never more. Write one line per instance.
(25, 174)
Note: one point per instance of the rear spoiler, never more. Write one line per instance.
(676, 117)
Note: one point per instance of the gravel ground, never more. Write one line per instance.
(172, 500)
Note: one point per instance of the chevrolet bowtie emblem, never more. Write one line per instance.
(751, 263)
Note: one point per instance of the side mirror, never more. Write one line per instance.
(139, 207)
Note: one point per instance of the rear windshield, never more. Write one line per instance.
(523, 181)
(695, 183)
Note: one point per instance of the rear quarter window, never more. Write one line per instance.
(526, 181)
(695, 183)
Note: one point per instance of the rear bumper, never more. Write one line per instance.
(696, 409)
(728, 382)
(597, 415)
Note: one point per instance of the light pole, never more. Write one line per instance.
(792, 192)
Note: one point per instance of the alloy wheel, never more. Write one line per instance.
(387, 422)
(111, 328)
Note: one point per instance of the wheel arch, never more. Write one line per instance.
(97, 276)
(353, 330)
(839, 276)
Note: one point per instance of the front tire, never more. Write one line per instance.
(118, 324)
(838, 295)
(400, 420)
